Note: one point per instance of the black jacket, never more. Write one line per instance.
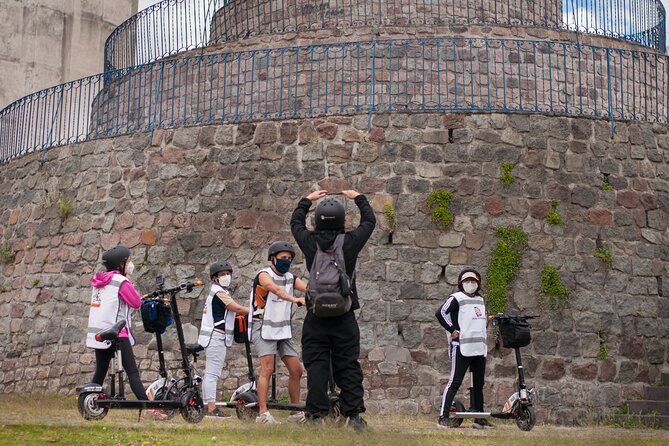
(354, 240)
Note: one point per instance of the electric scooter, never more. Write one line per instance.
(245, 399)
(515, 333)
(94, 403)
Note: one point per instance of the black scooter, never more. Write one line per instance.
(94, 403)
(245, 399)
(515, 332)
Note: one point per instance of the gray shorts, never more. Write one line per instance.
(285, 347)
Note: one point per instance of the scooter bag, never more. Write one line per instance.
(515, 332)
(156, 316)
(241, 329)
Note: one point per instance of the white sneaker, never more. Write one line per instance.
(266, 418)
(297, 417)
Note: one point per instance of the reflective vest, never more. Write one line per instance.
(277, 313)
(472, 319)
(107, 308)
(227, 324)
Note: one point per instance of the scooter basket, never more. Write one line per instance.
(515, 332)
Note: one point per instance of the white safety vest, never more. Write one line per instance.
(276, 318)
(107, 308)
(472, 319)
(207, 326)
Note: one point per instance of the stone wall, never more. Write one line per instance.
(181, 199)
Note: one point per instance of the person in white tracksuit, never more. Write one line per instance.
(217, 331)
(464, 317)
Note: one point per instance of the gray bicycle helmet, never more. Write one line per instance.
(278, 247)
(115, 258)
(329, 215)
(217, 267)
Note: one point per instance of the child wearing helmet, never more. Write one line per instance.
(217, 331)
(270, 325)
(464, 317)
(113, 298)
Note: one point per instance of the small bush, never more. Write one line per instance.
(552, 288)
(36, 282)
(553, 217)
(507, 177)
(439, 202)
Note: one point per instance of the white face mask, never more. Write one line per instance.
(129, 268)
(470, 286)
(224, 281)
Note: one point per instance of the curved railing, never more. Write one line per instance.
(454, 74)
(174, 26)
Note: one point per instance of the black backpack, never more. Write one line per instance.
(329, 291)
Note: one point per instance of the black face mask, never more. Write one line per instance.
(282, 265)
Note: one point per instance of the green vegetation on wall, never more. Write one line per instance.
(507, 177)
(503, 267)
(605, 184)
(391, 218)
(65, 207)
(553, 288)
(439, 202)
(553, 217)
(603, 352)
(7, 254)
(605, 256)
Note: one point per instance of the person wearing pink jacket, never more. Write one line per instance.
(113, 299)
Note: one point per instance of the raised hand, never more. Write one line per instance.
(317, 195)
(350, 194)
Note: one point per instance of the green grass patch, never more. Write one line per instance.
(605, 184)
(605, 256)
(603, 352)
(391, 218)
(7, 254)
(503, 267)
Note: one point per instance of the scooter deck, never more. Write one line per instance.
(502, 415)
(138, 404)
(270, 405)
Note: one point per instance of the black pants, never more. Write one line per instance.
(104, 356)
(459, 366)
(337, 338)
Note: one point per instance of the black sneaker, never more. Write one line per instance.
(357, 422)
(481, 423)
(443, 423)
(217, 414)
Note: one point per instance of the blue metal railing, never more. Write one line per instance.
(174, 26)
(449, 74)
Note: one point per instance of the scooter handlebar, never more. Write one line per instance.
(188, 286)
(499, 316)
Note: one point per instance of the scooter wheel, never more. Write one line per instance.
(164, 395)
(457, 406)
(526, 418)
(335, 407)
(246, 413)
(88, 408)
(192, 409)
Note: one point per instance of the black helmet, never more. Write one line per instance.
(113, 259)
(329, 215)
(278, 247)
(468, 273)
(217, 267)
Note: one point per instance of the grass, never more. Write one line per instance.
(40, 420)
